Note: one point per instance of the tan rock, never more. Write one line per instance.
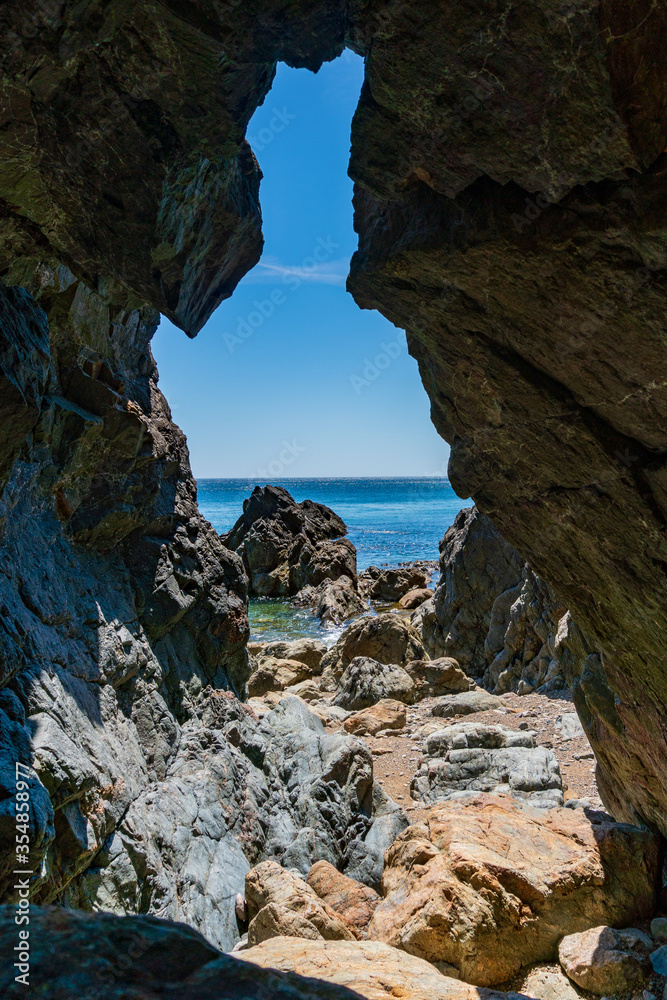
(487, 884)
(604, 960)
(387, 638)
(308, 690)
(282, 904)
(415, 598)
(353, 902)
(387, 714)
(371, 969)
(433, 678)
(273, 674)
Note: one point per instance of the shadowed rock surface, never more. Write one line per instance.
(501, 622)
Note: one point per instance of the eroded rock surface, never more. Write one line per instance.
(468, 758)
(487, 884)
(386, 638)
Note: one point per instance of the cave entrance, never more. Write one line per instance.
(290, 382)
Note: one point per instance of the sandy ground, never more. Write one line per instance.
(397, 757)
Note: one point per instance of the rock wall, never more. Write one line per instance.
(510, 204)
(501, 622)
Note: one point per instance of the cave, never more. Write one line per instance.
(510, 177)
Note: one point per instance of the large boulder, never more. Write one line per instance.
(387, 638)
(487, 884)
(286, 546)
(306, 650)
(365, 682)
(468, 758)
(466, 703)
(434, 678)
(273, 674)
(369, 969)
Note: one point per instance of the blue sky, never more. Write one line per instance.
(290, 378)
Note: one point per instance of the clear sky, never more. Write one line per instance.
(283, 380)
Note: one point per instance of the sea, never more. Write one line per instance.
(390, 521)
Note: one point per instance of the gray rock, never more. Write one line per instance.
(545, 984)
(466, 703)
(467, 758)
(659, 929)
(389, 585)
(365, 682)
(494, 615)
(659, 960)
(569, 727)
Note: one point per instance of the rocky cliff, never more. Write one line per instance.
(510, 204)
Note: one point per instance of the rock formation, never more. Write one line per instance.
(494, 615)
(297, 549)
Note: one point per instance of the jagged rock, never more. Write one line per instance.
(604, 960)
(353, 902)
(415, 598)
(369, 969)
(286, 546)
(467, 758)
(488, 884)
(392, 584)
(499, 620)
(307, 650)
(275, 674)
(89, 955)
(386, 714)
(281, 904)
(466, 703)
(387, 638)
(433, 678)
(365, 682)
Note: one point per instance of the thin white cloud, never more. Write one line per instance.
(333, 272)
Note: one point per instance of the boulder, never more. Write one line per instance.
(548, 984)
(366, 682)
(488, 884)
(280, 904)
(466, 703)
(604, 960)
(434, 678)
(469, 758)
(387, 714)
(334, 601)
(353, 902)
(415, 598)
(305, 650)
(387, 638)
(659, 929)
(273, 674)
(369, 969)
(286, 546)
(569, 727)
(389, 585)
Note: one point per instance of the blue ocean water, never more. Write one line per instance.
(389, 521)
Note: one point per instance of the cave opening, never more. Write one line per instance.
(290, 383)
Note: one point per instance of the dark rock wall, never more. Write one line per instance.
(510, 203)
